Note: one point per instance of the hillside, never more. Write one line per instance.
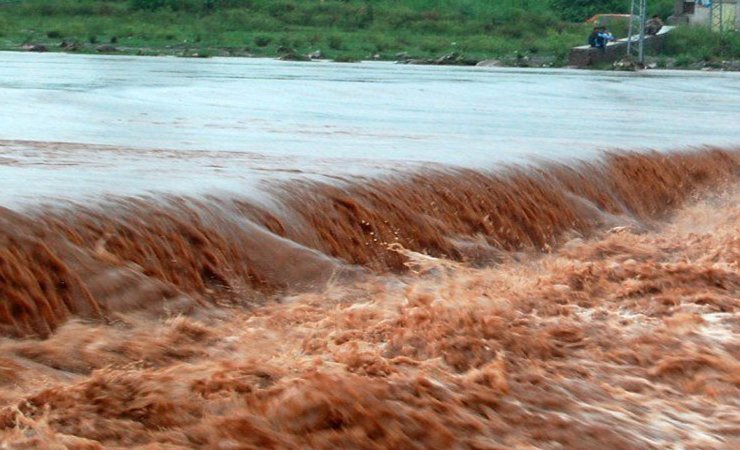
(345, 30)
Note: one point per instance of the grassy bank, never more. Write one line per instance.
(695, 47)
(521, 30)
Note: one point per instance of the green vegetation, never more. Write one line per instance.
(579, 10)
(692, 44)
(345, 30)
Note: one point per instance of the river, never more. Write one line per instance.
(229, 266)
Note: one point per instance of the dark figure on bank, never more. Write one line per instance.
(606, 36)
(599, 37)
(593, 37)
(653, 26)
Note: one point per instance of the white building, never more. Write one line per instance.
(699, 12)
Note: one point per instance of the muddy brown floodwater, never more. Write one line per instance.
(553, 307)
(253, 254)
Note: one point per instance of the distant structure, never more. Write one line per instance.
(719, 15)
(585, 55)
(636, 33)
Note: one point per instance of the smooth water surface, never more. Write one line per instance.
(135, 124)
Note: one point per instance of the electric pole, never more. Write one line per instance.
(717, 19)
(636, 37)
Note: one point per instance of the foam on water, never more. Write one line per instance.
(240, 253)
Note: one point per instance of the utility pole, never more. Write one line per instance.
(717, 19)
(636, 37)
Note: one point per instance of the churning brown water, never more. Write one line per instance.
(558, 306)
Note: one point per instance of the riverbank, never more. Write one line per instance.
(511, 33)
(515, 60)
(337, 30)
(453, 54)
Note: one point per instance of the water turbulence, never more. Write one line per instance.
(524, 324)
(148, 253)
(438, 212)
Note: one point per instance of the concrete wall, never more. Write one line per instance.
(701, 16)
(585, 56)
(732, 16)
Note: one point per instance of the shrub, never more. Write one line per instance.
(580, 10)
(237, 18)
(278, 9)
(366, 16)
(181, 5)
(261, 22)
(382, 42)
(663, 8)
(104, 9)
(347, 59)
(701, 43)
(335, 42)
(262, 41)
(683, 60)
(148, 4)
(433, 45)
